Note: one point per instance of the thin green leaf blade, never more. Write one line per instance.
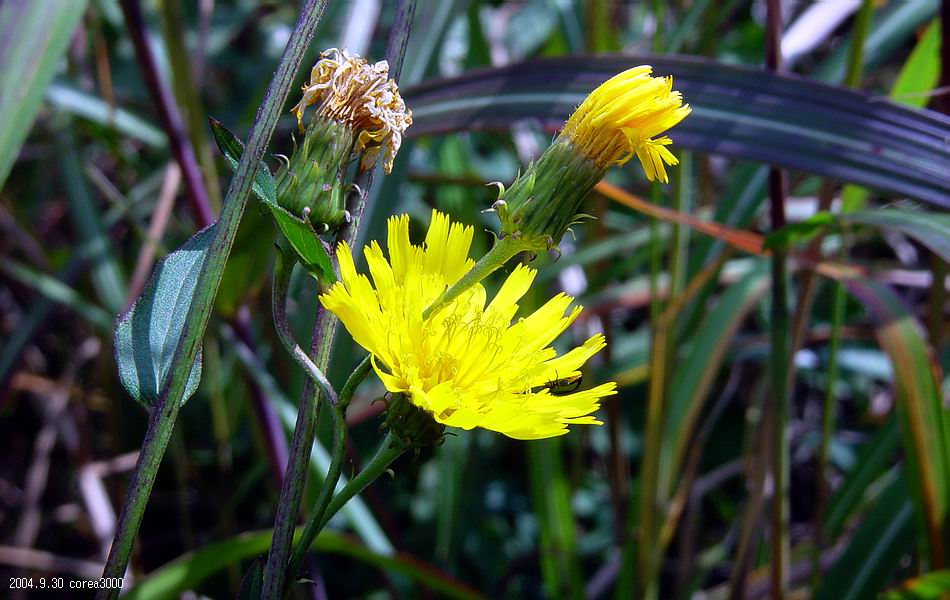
(929, 228)
(189, 570)
(797, 233)
(147, 336)
(924, 421)
(874, 550)
(232, 148)
(33, 38)
(696, 372)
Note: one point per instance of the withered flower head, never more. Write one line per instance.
(349, 90)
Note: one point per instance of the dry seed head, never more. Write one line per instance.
(349, 90)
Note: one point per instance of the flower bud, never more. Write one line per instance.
(358, 110)
(617, 121)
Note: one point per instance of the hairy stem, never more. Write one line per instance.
(313, 526)
(165, 410)
(283, 267)
(275, 571)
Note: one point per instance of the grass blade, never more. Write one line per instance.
(33, 38)
(187, 572)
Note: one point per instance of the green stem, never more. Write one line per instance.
(778, 372)
(324, 328)
(311, 530)
(165, 410)
(503, 250)
(779, 336)
(389, 450)
(295, 475)
(827, 420)
(283, 267)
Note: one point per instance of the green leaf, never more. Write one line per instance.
(696, 371)
(310, 251)
(58, 292)
(929, 228)
(915, 82)
(551, 499)
(187, 572)
(301, 234)
(147, 336)
(253, 582)
(739, 112)
(874, 550)
(97, 110)
(797, 233)
(920, 74)
(925, 423)
(873, 461)
(930, 586)
(232, 148)
(35, 36)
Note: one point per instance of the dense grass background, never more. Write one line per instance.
(672, 497)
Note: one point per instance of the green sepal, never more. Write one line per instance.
(543, 202)
(311, 184)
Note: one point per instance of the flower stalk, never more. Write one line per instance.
(165, 411)
(276, 569)
(283, 267)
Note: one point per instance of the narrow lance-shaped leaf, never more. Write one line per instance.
(301, 235)
(875, 549)
(924, 420)
(147, 336)
(929, 228)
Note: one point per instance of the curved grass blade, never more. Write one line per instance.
(696, 371)
(871, 464)
(97, 110)
(188, 571)
(33, 38)
(929, 228)
(925, 423)
(787, 121)
(875, 549)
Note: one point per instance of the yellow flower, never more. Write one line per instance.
(468, 365)
(623, 116)
(349, 90)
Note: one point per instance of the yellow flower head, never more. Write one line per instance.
(622, 118)
(468, 365)
(349, 90)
